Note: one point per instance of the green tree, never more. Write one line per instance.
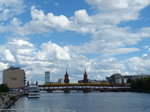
(4, 88)
(147, 84)
(142, 84)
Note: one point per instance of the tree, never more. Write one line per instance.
(4, 88)
(141, 84)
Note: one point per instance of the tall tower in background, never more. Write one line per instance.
(47, 77)
(85, 77)
(66, 80)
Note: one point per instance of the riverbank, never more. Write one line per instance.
(141, 91)
(8, 99)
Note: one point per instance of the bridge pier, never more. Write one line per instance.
(66, 90)
(85, 90)
(49, 91)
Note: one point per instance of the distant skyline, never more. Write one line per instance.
(103, 36)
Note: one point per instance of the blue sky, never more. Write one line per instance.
(103, 36)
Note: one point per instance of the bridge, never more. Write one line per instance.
(84, 87)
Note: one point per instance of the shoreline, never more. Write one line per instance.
(8, 99)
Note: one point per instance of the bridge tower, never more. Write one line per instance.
(86, 80)
(66, 80)
(85, 77)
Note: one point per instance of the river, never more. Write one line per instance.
(86, 102)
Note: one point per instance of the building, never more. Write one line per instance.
(119, 79)
(47, 77)
(61, 80)
(66, 80)
(115, 79)
(85, 78)
(14, 77)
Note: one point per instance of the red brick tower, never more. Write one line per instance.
(66, 80)
(85, 78)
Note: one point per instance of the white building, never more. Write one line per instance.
(47, 77)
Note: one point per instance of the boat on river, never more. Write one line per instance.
(33, 90)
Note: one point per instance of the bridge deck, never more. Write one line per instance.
(82, 84)
(84, 87)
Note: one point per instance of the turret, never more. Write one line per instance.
(66, 80)
(85, 77)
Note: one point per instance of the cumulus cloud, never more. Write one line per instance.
(56, 59)
(105, 66)
(103, 26)
(124, 10)
(3, 66)
(44, 23)
(9, 8)
(139, 65)
(52, 51)
(82, 17)
(107, 39)
(50, 57)
(110, 41)
(16, 52)
(6, 55)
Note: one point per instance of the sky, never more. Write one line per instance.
(102, 36)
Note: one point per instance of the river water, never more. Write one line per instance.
(86, 102)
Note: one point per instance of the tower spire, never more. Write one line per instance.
(66, 72)
(85, 72)
(85, 77)
(66, 80)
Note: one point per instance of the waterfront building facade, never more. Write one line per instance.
(14, 77)
(123, 79)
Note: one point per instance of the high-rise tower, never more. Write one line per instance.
(47, 77)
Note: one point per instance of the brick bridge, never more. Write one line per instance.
(85, 87)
